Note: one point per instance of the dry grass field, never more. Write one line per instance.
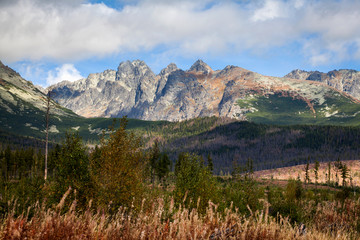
(163, 221)
(294, 172)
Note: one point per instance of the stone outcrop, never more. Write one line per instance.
(344, 80)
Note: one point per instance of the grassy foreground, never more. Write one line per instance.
(163, 221)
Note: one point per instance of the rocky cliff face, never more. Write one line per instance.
(343, 80)
(174, 94)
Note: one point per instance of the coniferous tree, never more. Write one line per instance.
(95, 161)
(37, 164)
(307, 177)
(8, 162)
(178, 162)
(316, 171)
(29, 158)
(344, 173)
(163, 167)
(210, 163)
(53, 158)
(338, 165)
(119, 179)
(72, 170)
(194, 182)
(249, 167)
(329, 173)
(3, 165)
(154, 160)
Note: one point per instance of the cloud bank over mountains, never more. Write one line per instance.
(326, 31)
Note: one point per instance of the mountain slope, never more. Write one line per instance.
(23, 107)
(345, 80)
(134, 90)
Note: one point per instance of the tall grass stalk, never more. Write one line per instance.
(162, 221)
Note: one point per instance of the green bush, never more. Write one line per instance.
(287, 203)
(293, 191)
(194, 182)
(243, 193)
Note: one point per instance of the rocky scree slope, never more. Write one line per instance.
(345, 80)
(174, 94)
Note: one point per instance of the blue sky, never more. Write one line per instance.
(47, 41)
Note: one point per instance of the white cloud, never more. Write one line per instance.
(299, 3)
(75, 30)
(320, 59)
(65, 72)
(270, 10)
(31, 70)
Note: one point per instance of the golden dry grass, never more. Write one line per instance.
(163, 221)
(295, 171)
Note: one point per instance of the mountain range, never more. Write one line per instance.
(87, 105)
(174, 94)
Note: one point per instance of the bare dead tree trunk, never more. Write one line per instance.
(47, 134)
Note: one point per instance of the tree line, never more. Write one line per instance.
(269, 146)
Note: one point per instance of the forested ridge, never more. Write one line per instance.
(231, 142)
(269, 146)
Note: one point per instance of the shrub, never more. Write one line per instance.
(194, 182)
(243, 194)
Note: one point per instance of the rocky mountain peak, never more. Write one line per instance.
(131, 70)
(200, 66)
(315, 76)
(170, 68)
(6, 69)
(298, 74)
(132, 74)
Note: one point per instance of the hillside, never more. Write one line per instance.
(23, 107)
(176, 95)
(229, 142)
